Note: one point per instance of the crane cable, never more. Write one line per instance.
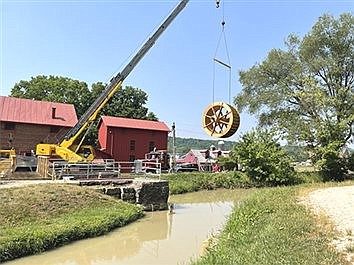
(227, 65)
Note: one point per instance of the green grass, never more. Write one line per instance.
(37, 218)
(193, 181)
(270, 227)
(188, 182)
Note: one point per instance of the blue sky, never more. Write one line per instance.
(92, 40)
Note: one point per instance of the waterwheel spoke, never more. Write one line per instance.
(220, 113)
(227, 113)
(214, 111)
(214, 128)
(207, 125)
(221, 125)
(223, 121)
(210, 117)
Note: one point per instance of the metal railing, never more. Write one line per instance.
(64, 169)
(59, 169)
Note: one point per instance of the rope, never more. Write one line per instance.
(228, 65)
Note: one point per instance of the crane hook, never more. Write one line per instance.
(217, 3)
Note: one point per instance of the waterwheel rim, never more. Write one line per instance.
(220, 120)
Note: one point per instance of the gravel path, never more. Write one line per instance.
(337, 203)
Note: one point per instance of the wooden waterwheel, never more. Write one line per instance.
(220, 120)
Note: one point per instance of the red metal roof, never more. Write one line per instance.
(134, 123)
(36, 112)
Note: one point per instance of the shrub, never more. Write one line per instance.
(263, 160)
(188, 182)
(350, 163)
(227, 163)
(333, 166)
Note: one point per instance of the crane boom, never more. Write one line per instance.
(116, 81)
(66, 146)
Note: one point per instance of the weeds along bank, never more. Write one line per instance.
(41, 217)
(270, 227)
(189, 182)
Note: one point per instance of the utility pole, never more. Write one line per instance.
(173, 147)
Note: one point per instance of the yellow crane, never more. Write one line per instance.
(70, 147)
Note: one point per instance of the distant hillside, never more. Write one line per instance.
(183, 145)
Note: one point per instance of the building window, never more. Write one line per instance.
(132, 158)
(9, 126)
(132, 145)
(151, 146)
(54, 129)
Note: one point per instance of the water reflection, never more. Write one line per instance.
(159, 238)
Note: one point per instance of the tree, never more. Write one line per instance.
(333, 165)
(350, 162)
(126, 102)
(129, 102)
(263, 159)
(306, 92)
(55, 89)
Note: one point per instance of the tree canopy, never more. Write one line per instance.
(55, 89)
(127, 102)
(306, 91)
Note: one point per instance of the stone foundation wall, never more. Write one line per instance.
(151, 194)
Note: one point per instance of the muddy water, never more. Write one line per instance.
(158, 238)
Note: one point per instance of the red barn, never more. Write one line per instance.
(129, 139)
(24, 122)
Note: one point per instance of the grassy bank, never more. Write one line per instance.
(189, 182)
(270, 227)
(37, 218)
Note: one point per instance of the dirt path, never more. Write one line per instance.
(337, 203)
(20, 183)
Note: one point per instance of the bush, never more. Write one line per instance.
(227, 163)
(310, 177)
(333, 166)
(350, 162)
(263, 160)
(189, 182)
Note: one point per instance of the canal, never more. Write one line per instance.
(158, 238)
